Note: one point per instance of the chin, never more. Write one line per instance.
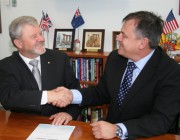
(120, 52)
(43, 51)
(40, 51)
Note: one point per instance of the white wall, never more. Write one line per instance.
(98, 14)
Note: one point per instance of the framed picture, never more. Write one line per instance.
(93, 40)
(114, 41)
(0, 19)
(63, 39)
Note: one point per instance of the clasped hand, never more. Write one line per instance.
(60, 97)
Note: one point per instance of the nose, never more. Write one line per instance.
(119, 37)
(41, 37)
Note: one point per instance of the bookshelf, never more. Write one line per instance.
(89, 57)
(177, 59)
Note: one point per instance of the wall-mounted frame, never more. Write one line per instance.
(93, 40)
(179, 7)
(0, 19)
(63, 39)
(114, 40)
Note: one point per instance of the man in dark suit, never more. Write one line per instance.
(19, 90)
(151, 105)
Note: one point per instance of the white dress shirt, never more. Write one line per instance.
(27, 60)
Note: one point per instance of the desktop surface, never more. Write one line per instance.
(18, 126)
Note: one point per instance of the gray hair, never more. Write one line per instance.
(15, 28)
(148, 24)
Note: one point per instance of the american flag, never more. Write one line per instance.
(170, 24)
(45, 23)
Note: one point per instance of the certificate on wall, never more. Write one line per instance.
(0, 19)
(51, 132)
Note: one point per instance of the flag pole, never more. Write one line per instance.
(78, 33)
(161, 41)
(47, 39)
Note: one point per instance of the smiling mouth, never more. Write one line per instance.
(40, 44)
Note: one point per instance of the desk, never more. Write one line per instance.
(17, 126)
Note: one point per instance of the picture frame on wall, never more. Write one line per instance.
(63, 39)
(114, 40)
(179, 7)
(93, 40)
(0, 19)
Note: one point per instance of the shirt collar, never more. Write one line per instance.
(27, 60)
(141, 63)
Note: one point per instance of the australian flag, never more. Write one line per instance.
(77, 19)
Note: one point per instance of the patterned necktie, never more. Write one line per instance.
(36, 72)
(126, 84)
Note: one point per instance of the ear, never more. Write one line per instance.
(144, 43)
(17, 43)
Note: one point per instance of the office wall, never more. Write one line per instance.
(98, 14)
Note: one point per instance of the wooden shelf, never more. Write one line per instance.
(177, 58)
(89, 54)
(102, 55)
(88, 83)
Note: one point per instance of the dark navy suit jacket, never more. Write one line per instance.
(19, 90)
(153, 102)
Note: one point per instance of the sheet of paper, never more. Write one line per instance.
(51, 132)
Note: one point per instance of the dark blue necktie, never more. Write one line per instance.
(126, 84)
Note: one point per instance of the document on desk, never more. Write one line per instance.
(51, 132)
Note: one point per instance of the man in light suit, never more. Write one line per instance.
(152, 103)
(19, 90)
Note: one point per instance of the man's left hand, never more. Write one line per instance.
(103, 130)
(61, 118)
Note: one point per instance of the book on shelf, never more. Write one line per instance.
(91, 114)
(87, 69)
(96, 114)
(84, 85)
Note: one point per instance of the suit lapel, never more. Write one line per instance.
(46, 68)
(142, 79)
(26, 71)
(118, 71)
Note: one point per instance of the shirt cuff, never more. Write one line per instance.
(124, 130)
(77, 97)
(44, 98)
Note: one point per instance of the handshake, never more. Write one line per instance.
(60, 97)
